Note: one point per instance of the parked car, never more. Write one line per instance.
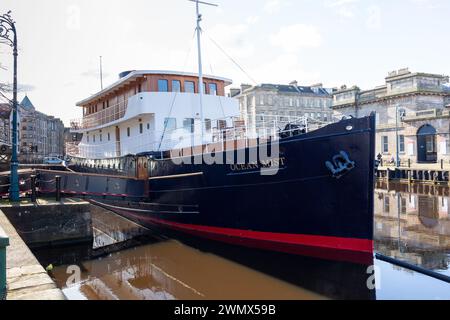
(53, 160)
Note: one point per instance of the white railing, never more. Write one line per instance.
(102, 117)
(225, 132)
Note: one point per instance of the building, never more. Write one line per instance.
(282, 103)
(5, 113)
(71, 139)
(40, 135)
(412, 106)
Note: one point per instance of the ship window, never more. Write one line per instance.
(128, 132)
(148, 126)
(188, 124)
(170, 123)
(213, 89)
(189, 86)
(176, 86)
(141, 128)
(163, 85)
(140, 88)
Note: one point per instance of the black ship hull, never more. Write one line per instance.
(319, 203)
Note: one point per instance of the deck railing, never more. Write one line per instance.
(222, 133)
(102, 117)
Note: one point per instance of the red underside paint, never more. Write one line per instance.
(334, 248)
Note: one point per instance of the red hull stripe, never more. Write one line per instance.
(324, 242)
(338, 243)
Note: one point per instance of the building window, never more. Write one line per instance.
(176, 86)
(208, 125)
(93, 138)
(189, 86)
(128, 132)
(163, 85)
(213, 89)
(109, 136)
(401, 143)
(148, 126)
(204, 87)
(386, 204)
(188, 124)
(385, 144)
(170, 124)
(101, 137)
(141, 128)
(87, 137)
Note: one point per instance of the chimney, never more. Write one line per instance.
(245, 87)
(234, 92)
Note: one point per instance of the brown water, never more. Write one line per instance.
(411, 224)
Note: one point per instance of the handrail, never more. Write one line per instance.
(4, 242)
(105, 116)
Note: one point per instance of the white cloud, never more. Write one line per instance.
(272, 6)
(343, 8)
(374, 20)
(297, 36)
(252, 20)
(283, 69)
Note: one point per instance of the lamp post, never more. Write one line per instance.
(397, 113)
(8, 30)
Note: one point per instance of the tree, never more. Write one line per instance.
(4, 89)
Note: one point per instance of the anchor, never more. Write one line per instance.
(340, 165)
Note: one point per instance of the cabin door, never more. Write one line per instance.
(142, 168)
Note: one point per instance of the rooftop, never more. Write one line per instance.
(283, 88)
(130, 76)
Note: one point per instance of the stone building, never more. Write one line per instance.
(40, 135)
(5, 111)
(418, 102)
(71, 139)
(266, 102)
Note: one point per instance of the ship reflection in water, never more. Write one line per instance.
(411, 224)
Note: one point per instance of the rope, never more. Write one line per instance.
(231, 58)
(176, 95)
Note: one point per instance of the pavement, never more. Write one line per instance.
(26, 278)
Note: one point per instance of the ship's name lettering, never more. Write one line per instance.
(269, 163)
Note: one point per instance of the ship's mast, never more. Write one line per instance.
(200, 67)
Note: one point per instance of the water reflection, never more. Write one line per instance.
(412, 223)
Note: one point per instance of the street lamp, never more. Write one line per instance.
(398, 112)
(8, 30)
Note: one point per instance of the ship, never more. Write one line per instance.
(178, 157)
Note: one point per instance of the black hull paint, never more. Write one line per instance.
(302, 209)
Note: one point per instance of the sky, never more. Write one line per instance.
(334, 42)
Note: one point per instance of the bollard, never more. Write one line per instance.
(33, 188)
(58, 188)
(4, 242)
